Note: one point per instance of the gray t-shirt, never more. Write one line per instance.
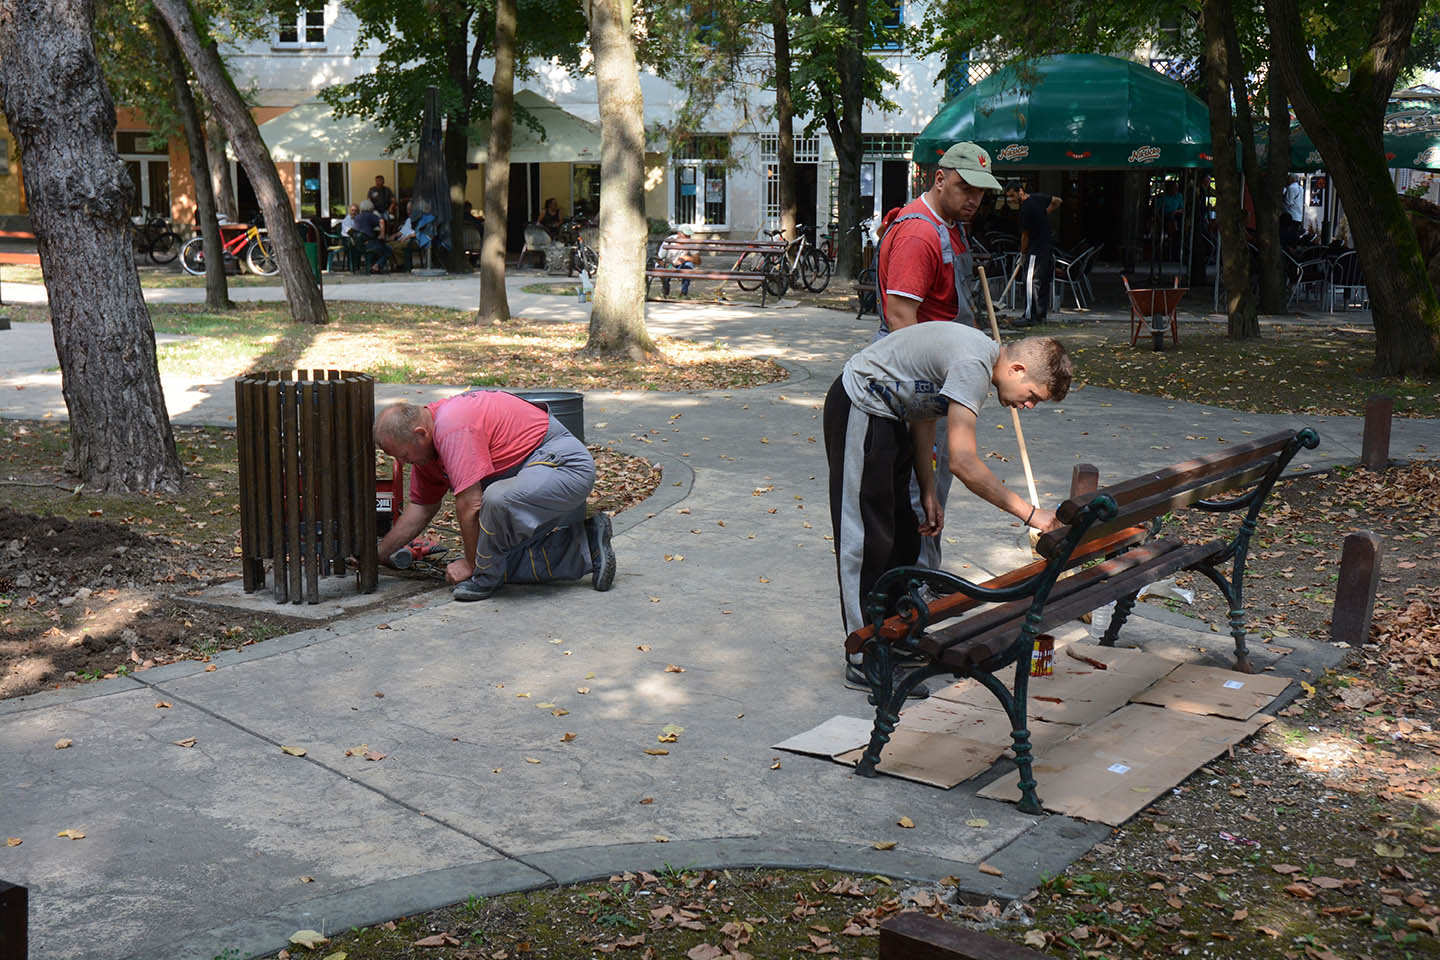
(914, 373)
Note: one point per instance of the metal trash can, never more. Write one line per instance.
(568, 407)
(307, 479)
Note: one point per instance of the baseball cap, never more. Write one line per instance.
(973, 163)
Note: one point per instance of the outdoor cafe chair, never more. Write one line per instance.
(1347, 282)
(1070, 273)
(1308, 276)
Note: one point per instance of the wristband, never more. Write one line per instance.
(1031, 517)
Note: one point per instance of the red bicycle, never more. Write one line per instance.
(243, 243)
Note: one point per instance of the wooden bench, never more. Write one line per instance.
(753, 264)
(1117, 556)
(866, 296)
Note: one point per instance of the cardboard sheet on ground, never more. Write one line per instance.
(835, 736)
(1209, 690)
(1113, 769)
(963, 720)
(938, 759)
(1078, 692)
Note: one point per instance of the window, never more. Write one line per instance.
(701, 187)
(324, 189)
(148, 163)
(305, 29)
(807, 150)
(887, 31)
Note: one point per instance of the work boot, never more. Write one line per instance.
(855, 680)
(468, 590)
(602, 555)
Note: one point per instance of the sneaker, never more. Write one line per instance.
(469, 590)
(602, 555)
(855, 680)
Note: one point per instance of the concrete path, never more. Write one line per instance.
(727, 573)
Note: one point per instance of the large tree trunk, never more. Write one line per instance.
(1345, 125)
(217, 288)
(784, 116)
(306, 303)
(1234, 252)
(617, 322)
(220, 179)
(1273, 288)
(494, 304)
(59, 109)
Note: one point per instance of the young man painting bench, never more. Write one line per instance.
(880, 431)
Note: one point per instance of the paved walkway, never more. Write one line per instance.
(726, 573)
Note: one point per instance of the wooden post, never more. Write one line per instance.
(1375, 448)
(1084, 478)
(14, 918)
(917, 936)
(1355, 592)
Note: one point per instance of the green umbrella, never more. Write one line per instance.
(1074, 111)
(1411, 140)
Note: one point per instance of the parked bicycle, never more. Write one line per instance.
(829, 246)
(157, 240)
(241, 243)
(584, 258)
(802, 264)
(772, 266)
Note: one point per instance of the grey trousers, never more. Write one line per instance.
(525, 533)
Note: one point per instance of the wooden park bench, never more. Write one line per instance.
(1105, 537)
(753, 264)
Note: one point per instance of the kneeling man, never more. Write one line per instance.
(518, 475)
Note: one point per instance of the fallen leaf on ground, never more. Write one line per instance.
(210, 669)
(906, 822)
(992, 871)
(372, 755)
(439, 940)
(531, 760)
(977, 822)
(292, 751)
(309, 939)
(883, 844)
(68, 834)
(1284, 868)
(705, 951)
(187, 742)
(567, 738)
(658, 752)
(307, 879)
(13, 841)
(164, 705)
(661, 838)
(63, 743)
(671, 668)
(643, 647)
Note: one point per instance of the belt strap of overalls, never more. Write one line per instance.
(962, 265)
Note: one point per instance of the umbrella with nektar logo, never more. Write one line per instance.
(1074, 111)
(1411, 137)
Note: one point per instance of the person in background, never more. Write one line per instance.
(679, 260)
(549, 217)
(380, 196)
(1037, 252)
(1293, 215)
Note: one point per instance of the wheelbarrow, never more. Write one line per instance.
(1152, 307)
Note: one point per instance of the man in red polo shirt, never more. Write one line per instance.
(517, 474)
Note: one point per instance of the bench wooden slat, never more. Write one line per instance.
(947, 607)
(1180, 474)
(991, 633)
(667, 273)
(1139, 511)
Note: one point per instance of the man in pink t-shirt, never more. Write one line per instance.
(517, 474)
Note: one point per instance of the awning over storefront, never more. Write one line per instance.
(1411, 139)
(567, 138)
(1074, 111)
(312, 132)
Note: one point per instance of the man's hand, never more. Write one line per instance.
(1045, 520)
(934, 514)
(458, 571)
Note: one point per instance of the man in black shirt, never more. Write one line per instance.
(380, 197)
(1036, 250)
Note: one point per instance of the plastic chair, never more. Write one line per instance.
(1348, 281)
(336, 246)
(1070, 272)
(537, 238)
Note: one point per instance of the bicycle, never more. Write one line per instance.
(156, 239)
(829, 248)
(771, 265)
(248, 244)
(583, 258)
(803, 265)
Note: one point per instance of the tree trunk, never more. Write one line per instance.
(1274, 291)
(1265, 205)
(784, 116)
(1345, 125)
(457, 133)
(306, 303)
(845, 135)
(617, 322)
(1229, 208)
(220, 180)
(494, 304)
(59, 109)
(217, 289)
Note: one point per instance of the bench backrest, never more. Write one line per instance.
(1154, 494)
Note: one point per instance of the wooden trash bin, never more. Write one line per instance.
(307, 479)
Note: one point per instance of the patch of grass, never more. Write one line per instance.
(1290, 368)
(558, 289)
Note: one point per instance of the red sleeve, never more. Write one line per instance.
(912, 262)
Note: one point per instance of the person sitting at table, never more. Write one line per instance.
(549, 217)
(403, 242)
(367, 239)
